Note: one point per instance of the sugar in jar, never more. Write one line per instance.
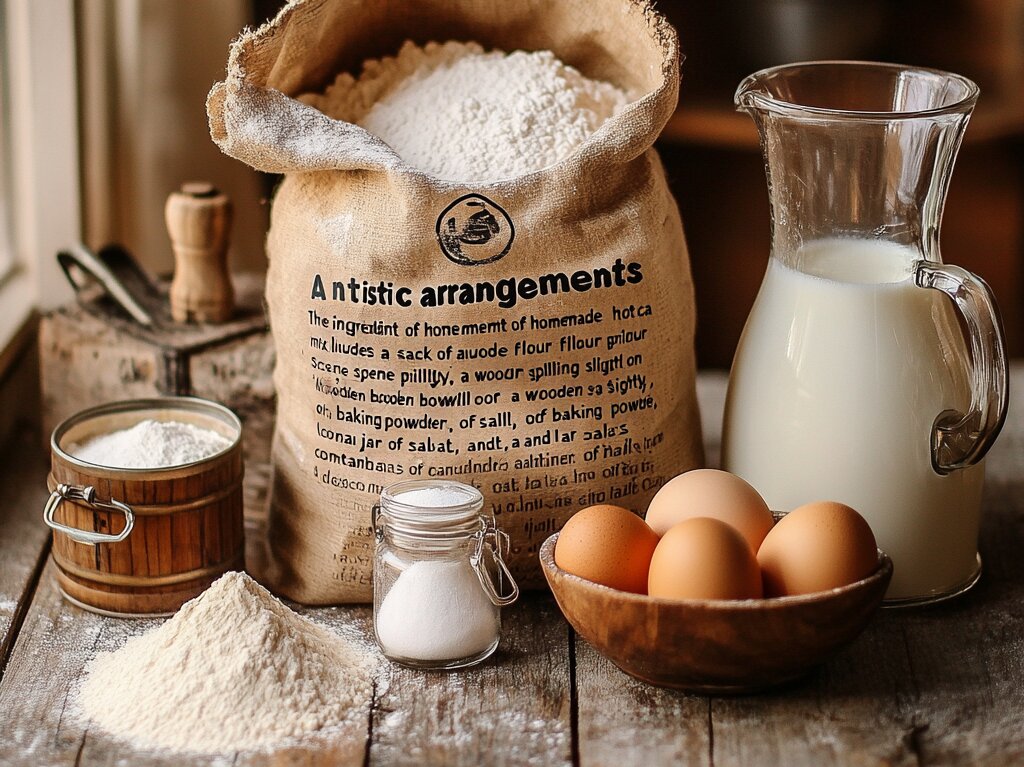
(439, 576)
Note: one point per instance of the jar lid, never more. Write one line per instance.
(433, 510)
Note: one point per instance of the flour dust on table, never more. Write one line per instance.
(233, 670)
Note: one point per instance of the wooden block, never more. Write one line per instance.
(84, 362)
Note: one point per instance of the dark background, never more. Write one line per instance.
(715, 167)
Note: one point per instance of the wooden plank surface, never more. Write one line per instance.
(622, 721)
(938, 686)
(941, 685)
(967, 657)
(855, 710)
(23, 537)
(512, 710)
(37, 694)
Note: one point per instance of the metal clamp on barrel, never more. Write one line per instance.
(87, 496)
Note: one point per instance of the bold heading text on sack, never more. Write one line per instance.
(506, 293)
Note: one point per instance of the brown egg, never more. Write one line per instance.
(608, 545)
(716, 494)
(703, 558)
(816, 547)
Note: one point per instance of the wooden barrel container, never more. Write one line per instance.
(132, 542)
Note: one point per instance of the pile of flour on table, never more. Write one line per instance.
(467, 115)
(233, 670)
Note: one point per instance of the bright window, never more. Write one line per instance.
(39, 169)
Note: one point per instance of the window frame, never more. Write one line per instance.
(7, 260)
(44, 151)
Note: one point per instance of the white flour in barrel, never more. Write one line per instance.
(151, 444)
(466, 115)
(233, 670)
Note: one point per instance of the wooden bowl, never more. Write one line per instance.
(714, 645)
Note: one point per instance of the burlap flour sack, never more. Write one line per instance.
(550, 363)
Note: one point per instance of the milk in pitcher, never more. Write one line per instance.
(843, 366)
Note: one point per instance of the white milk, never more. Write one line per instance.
(838, 378)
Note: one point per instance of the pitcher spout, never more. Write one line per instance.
(863, 90)
(857, 149)
(751, 92)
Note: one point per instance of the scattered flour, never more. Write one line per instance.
(151, 445)
(466, 115)
(437, 611)
(233, 670)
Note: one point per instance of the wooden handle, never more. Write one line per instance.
(199, 221)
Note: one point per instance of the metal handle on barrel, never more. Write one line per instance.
(87, 496)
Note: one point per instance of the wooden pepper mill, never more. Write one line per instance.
(199, 221)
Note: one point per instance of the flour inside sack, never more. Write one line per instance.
(465, 114)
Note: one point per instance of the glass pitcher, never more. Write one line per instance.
(868, 371)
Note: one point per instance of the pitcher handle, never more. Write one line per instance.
(960, 439)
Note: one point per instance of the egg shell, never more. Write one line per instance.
(703, 558)
(716, 494)
(816, 547)
(608, 545)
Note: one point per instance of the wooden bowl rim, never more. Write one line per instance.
(882, 571)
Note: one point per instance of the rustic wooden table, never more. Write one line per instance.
(943, 685)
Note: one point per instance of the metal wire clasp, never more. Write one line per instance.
(490, 538)
(378, 531)
(86, 496)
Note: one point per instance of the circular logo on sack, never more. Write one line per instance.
(474, 230)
